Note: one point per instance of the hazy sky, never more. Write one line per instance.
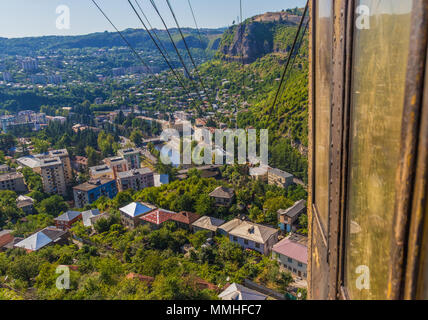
(21, 18)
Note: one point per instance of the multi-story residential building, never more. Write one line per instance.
(80, 163)
(136, 179)
(132, 155)
(13, 181)
(91, 191)
(7, 77)
(292, 255)
(53, 176)
(98, 172)
(250, 235)
(65, 159)
(279, 178)
(29, 64)
(117, 164)
(54, 168)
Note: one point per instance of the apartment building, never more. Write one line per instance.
(136, 179)
(92, 190)
(132, 155)
(13, 181)
(117, 164)
(65, 159)
(53, 177)
(101, 171)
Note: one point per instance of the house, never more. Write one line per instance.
(26, 204)
(91, 191)
(239, 292)
(157, 217)
(279, 178)
(43, 238)
(67, 219)
(130, 214)
(185, 219)
(87, 217)
(207, 223)
(287, 217)
(292, 255)
(223, 196)
(253, 236)
(136, 179)
(6, 237)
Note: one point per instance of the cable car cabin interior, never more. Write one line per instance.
(368, 161)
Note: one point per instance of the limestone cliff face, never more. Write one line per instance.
(258, 36)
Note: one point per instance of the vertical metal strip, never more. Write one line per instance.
(409, 142)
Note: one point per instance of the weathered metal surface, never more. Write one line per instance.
(405, 181)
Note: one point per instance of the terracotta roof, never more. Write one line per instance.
(185, 217)
(158, 216)
(292, 249)
(147, 279)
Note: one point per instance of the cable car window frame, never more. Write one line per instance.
(344, 15)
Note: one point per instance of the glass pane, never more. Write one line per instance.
(323, 72)
(380, 62)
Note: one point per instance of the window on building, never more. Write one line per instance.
(290, 260)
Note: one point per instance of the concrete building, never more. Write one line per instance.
(91, 191)
(26, 204)
(117, 164)
(65, 159)
(279, 178)
(136, 179)
(292, 255)
(13, 181)
(29, 64)
(98, 172)
(207, 223)
(53, 177)
(132, 155)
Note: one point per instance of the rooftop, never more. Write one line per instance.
(280, 173)
(11, 176)
(135, 172)
(136, 209)
(100, 169)
(93, 184)
(185, 217)
(222, 192)
(292, 249)
(40, 239)
(129, 151)
(208, 223)
(295, 210)
(158, 216)
(239, 292)
(68, 216)
(47, 162)
(87, 215)
(252, 231)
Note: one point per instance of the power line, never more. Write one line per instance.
(153, 30)
(187, 48)
(289, 58)
(176, 49)
(196, 24)
(124, 39)
(157, 46)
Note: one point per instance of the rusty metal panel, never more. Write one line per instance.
(409, 148)
(416, 280)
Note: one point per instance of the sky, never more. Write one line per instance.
(23, 18)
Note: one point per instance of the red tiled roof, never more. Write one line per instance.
(158, 216)
(185, 217)
(140, 277)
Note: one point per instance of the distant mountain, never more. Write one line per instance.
(137, 37)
